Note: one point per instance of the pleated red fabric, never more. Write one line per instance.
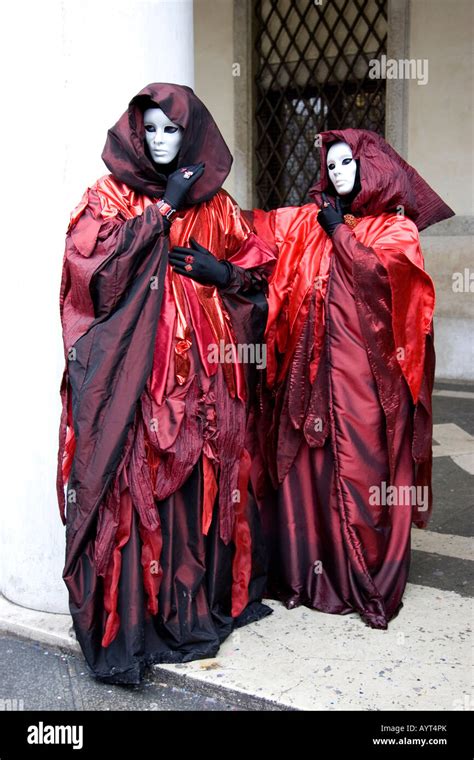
(388, 182)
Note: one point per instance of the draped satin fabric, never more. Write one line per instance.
(162, 559)
(346, 413)
(304, 259)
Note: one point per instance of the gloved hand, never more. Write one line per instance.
(200, 264)
(179, 184)
(329, 217)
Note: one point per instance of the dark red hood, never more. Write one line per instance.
(387, 181)
(125, 156)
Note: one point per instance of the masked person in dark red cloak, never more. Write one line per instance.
(350, 367)
(163, 551)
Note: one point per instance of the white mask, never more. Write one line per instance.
(342, 168)
(163, 137)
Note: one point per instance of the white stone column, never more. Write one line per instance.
(69, 70)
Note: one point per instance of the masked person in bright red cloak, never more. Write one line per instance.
(350, 371)
(163, 551)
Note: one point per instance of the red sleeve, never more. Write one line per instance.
(250, 258)
(343, 242)
(397, 247)
(264, 227)
(102, 255)
(127, 241)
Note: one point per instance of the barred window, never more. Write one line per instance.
(312, 66)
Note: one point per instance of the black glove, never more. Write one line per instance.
(329, 217)
(179, 184)
(204, 267)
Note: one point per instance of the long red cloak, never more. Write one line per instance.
(163, 556)
(350, 370)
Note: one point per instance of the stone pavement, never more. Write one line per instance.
(301, 659)
(39, 677)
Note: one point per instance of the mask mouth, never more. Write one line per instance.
(163, 170)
